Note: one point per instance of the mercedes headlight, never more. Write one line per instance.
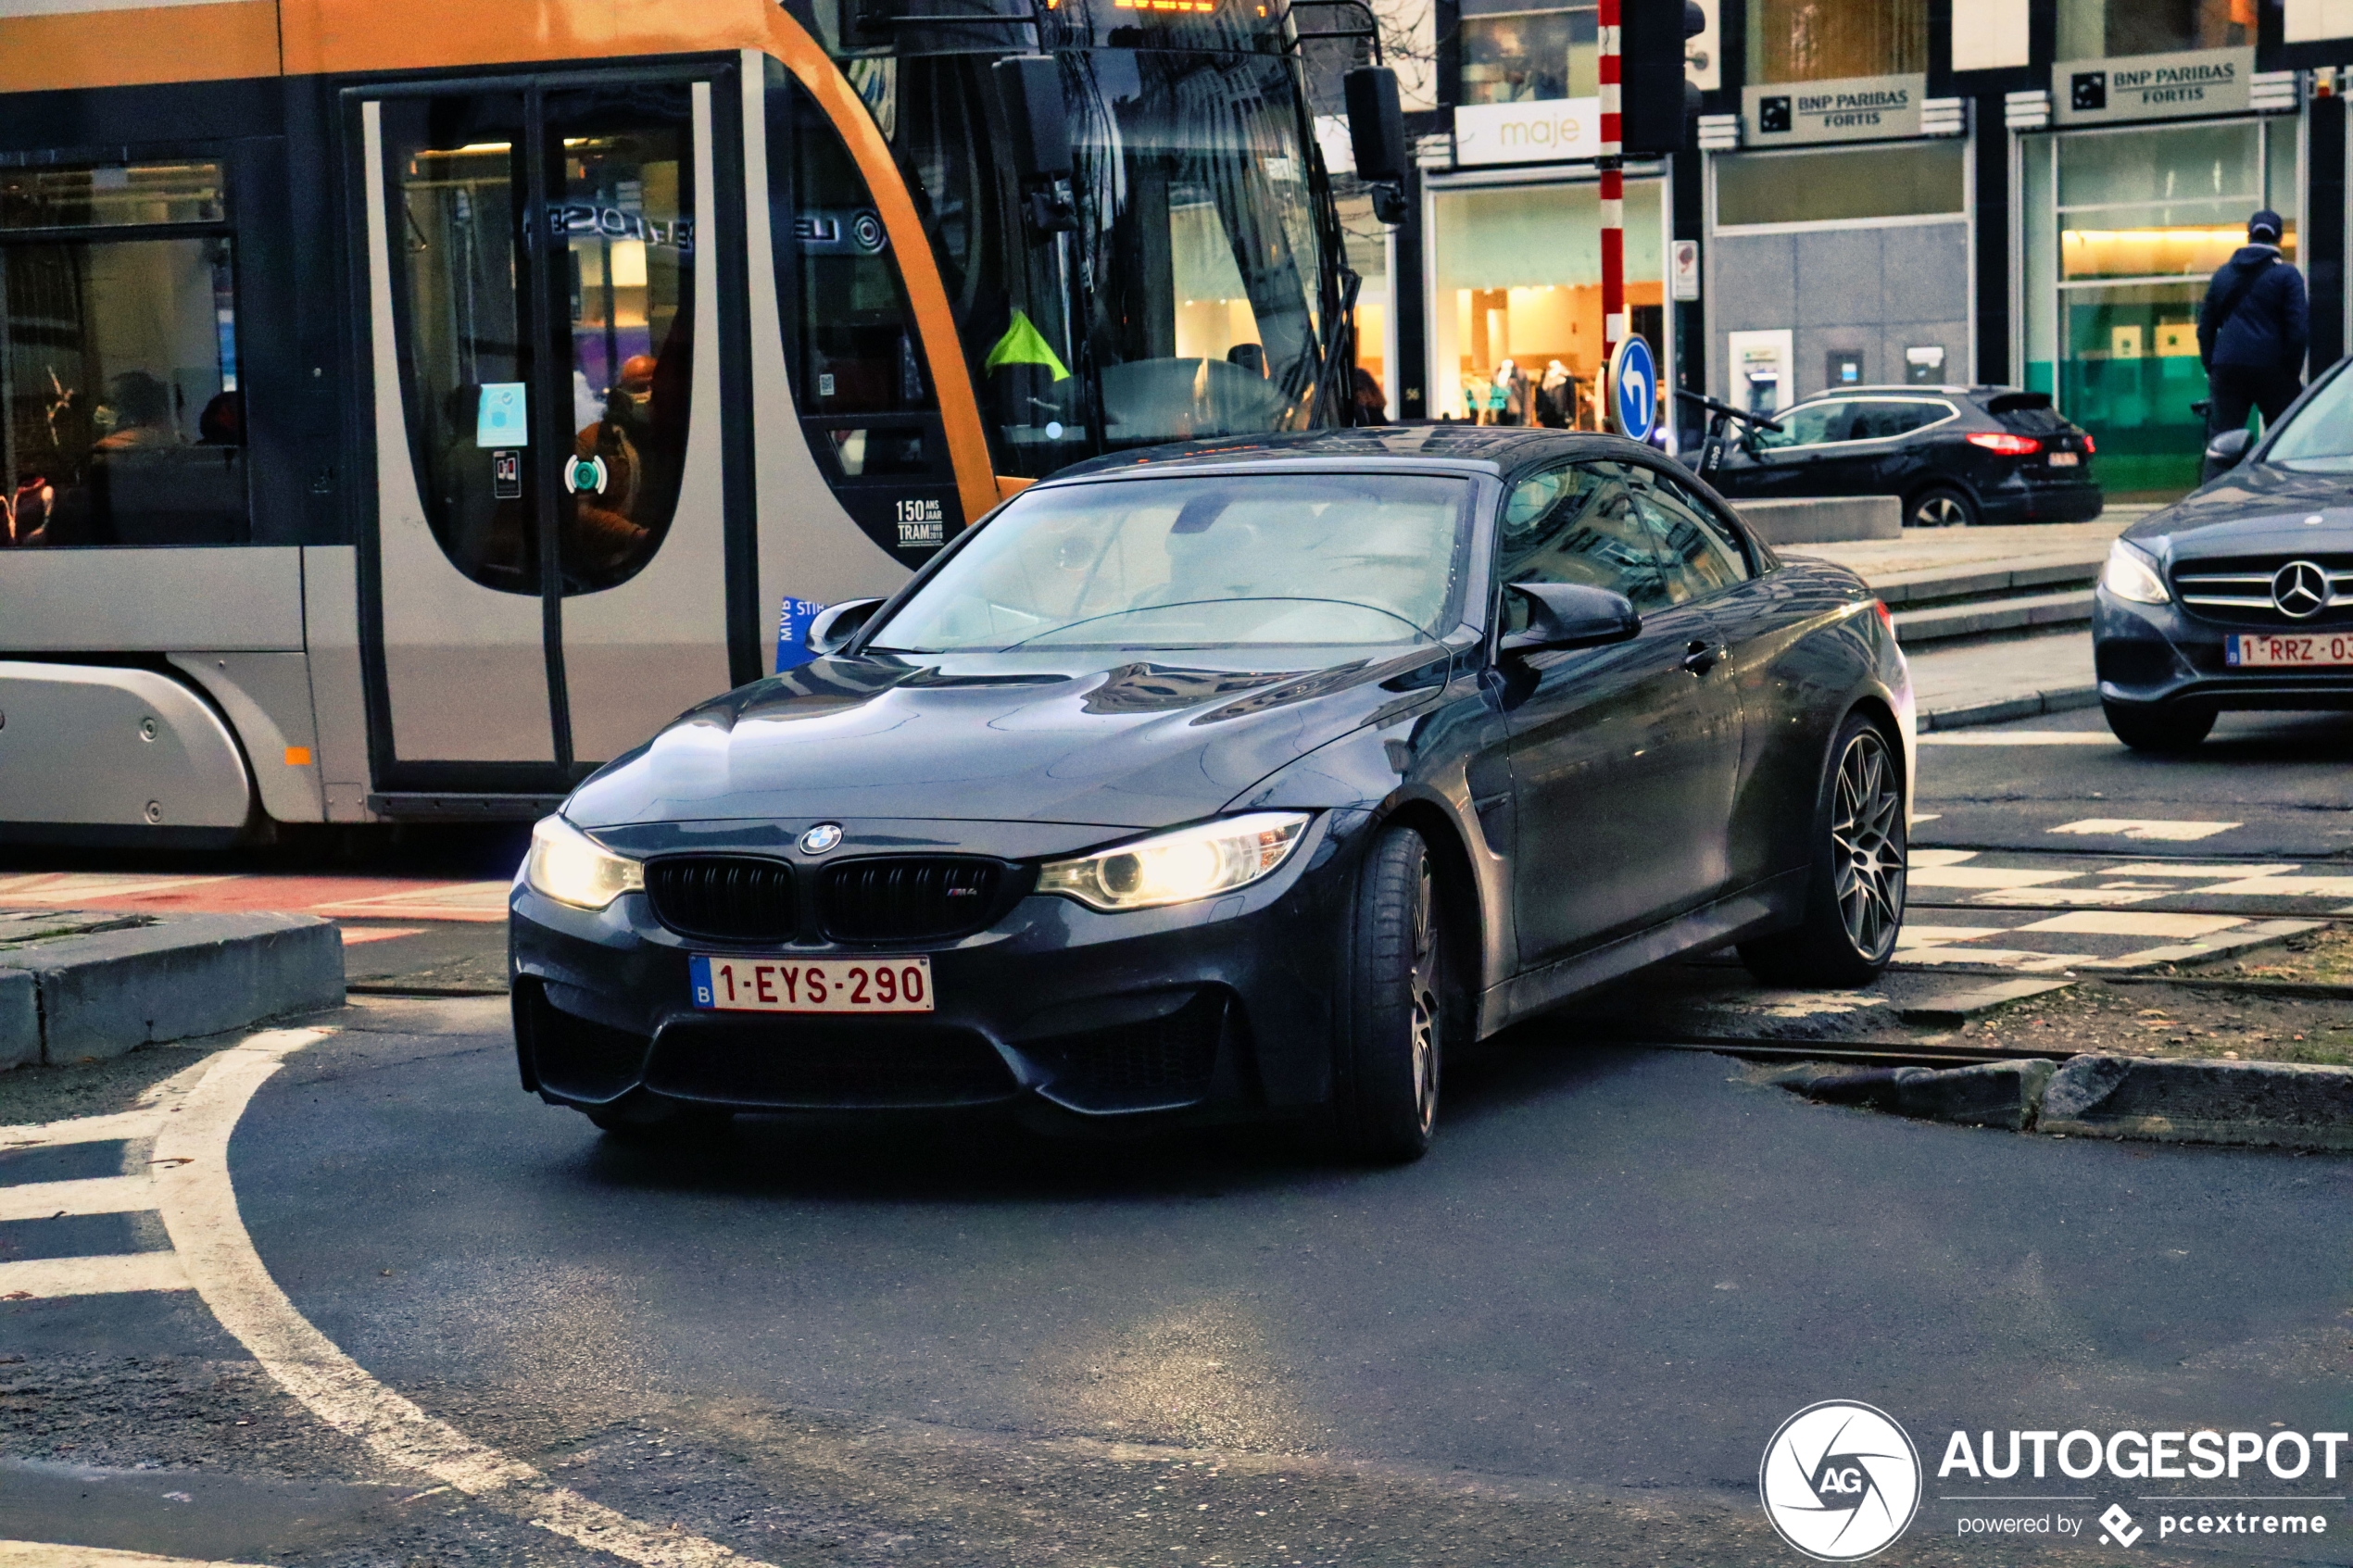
(567, 865)
(2130, 575)
(1178, 866)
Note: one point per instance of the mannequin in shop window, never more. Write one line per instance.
(1507, 396)
(1557, 397)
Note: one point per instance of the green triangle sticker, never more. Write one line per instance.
(1023, 345)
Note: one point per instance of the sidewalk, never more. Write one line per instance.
(1958, 549)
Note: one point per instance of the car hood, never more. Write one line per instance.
(1120, 740)
(2254, 510)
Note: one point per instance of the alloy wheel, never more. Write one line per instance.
(1866, 843)
(1939, 510)
(1426, 983)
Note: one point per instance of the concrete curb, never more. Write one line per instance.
(2260, 1104)
(104, 993)
(2062, 699)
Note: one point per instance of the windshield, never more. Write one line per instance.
(1188, 301)
(2319, 439)
(1316, 560)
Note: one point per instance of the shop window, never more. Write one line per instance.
(1825, 40)
(1511, 53)
(1368, 245)
(2090, 30)
(1900, 180)
(118, 368)
(1515, 322)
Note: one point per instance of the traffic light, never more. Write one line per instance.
(1657, 103)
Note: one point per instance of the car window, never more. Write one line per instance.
(1592, 532)
(1878, 421)
(1809, 424)
(1700, 554)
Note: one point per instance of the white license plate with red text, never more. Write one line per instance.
(878, 984)
(2245, 650)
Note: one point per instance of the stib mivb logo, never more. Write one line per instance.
(1839, 1480)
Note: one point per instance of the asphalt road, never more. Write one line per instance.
(1565, 1337)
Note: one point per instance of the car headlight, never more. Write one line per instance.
(567, 865)
(1178, 866)
(2133, 575)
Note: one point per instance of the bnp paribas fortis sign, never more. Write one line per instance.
(2198, 81)
(1855, 108)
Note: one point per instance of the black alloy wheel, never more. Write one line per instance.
(1854, 898)
(1393, 1021)
(1941, 506)
(2159, 729)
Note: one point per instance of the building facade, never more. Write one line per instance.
(1921, 192)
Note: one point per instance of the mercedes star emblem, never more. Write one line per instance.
(2300, 589)
(821, 837)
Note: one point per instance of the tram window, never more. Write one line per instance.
(876, 453)
(855, 348)
(125, 424)
(111, 195)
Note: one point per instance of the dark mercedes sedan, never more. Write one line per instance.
(2241, 594)
(1232, 781)
(1953, 455)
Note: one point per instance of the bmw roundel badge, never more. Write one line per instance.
(821, 837)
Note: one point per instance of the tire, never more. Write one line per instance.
(1854, 895)
(1941, 506)
(641, 1117)
(2159, 729)
(1393, 1018)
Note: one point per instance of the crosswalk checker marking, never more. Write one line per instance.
(1940, 856)
(2223, 945)
(45, 1554)
(2159, 830)
(1985, 876)
(2198, 873)
(95, 1195)
(2133, 923)
(2098, 896)
(1992, 958)
(1922, 935)
(2281, 887)
(2020, 737)
(50, 1279)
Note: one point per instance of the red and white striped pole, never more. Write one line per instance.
(1609, 164)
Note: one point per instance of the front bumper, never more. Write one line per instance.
(1214, 1009)
(2155, 656)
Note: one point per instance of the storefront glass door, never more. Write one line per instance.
(2124, 229)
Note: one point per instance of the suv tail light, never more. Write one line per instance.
(2087, 443)
(2002, 441)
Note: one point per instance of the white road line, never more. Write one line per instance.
(199, 1208)
(2132, 827)
(2033, 897)
(2269, 886)
(1921, 935)
(45, 1554)
(1940, 856)
(95, 1195)
(50, 1279)
(2018, 738)
(2200, 874)
(1986, 876)
(2135, 922)
(90, 1129)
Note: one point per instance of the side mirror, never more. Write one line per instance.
(835, 624)
(2228, 450)
(1037, 116)
(1570, 615)
(1376, 123)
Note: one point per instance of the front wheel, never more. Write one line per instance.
(1392, 1024)
(1854, 898)
(1941, 507)
(2159, 729)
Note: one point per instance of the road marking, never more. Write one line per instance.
(199, 1208)
(1985, 876)
(50, 1279)
(90, 1129)
(1940, 856)
(43, 1554)
(2127, 827)
(1921, 935)
(94, 1195)
(1992, 958)
(2018, 738)
(2265, 887)
(353, 938)
(2199, 873)
(2135, 922)
(2038, 896)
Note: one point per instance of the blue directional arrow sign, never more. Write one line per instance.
(1634, 390)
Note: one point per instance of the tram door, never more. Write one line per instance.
(542, 280)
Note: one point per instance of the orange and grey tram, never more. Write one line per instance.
(411, 406)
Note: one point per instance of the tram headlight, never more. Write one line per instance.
(567, 865)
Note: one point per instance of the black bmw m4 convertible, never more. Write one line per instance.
(1242, 780)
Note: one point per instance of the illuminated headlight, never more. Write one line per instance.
(567, 865)
(1178, 866)
(2133, 575)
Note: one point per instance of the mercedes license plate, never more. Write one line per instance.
(877, 985)
(2244, 650)
(2064, 459)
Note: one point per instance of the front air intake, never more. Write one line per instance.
(723, 897)
(911, 899)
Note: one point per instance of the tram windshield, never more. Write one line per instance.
(1188, 301)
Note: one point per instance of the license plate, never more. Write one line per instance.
(2064, 459)
(877, 984)
(2252, 652)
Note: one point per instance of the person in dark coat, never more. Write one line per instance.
(2252, 329)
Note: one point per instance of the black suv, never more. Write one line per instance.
(1953, 454)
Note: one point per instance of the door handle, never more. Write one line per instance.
(1700, 658)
